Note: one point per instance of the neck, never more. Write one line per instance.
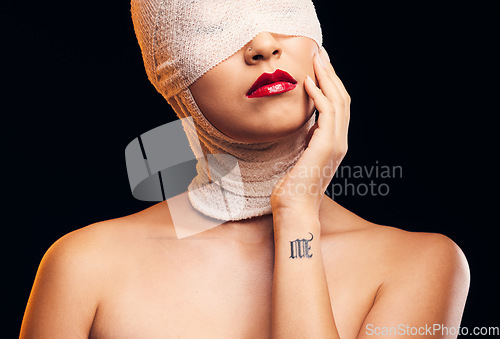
(252, 231)
(235, 179)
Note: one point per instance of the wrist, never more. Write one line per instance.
(295, 223)
(303, 212)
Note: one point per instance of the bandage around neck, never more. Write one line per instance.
(182, 40)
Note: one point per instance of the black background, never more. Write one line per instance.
(420, 77)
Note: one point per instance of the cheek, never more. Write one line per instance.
(218, 103)
(301, 57)
(219, 91)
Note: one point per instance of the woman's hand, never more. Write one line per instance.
(302, 307)
(302, 188)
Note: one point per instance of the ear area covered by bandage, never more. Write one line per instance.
(181, 40)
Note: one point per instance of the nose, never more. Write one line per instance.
(263, 47)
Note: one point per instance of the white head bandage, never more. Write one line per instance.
(180, 41)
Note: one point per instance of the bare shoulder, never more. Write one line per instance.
(106, 242)
(403, 277)
(65, 290)
(424, 279)
(87, 250)
(421, 252)
(388, 247)
(400, 254)
(76, 270)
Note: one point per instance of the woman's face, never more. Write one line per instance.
(221, 93)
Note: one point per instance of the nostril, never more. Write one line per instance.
(275, 52)
(257, 57)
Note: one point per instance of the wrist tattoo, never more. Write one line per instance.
(300, 248)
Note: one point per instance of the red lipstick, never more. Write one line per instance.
(271, 84)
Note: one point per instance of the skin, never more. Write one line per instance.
(132, 278)
(220, 93)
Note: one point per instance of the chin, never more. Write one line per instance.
(271, 119)
(279, 119)
(275, 126)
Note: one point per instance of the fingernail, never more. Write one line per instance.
(325, 54)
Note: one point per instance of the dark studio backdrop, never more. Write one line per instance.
(417, 74)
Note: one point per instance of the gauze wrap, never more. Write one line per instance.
(180, 41)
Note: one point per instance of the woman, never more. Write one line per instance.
(309, 269)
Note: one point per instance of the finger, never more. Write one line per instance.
(341, 130)
(334, 90)
(332, 93)
(341, 106)
(342, 119)
(342, 126)
(341, 87)
(334, 76)
(326, 82)
(321, 145)
(326, 119)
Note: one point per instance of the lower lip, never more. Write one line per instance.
(272, 89)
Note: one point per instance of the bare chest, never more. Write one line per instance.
(184, 293)
(214, 296)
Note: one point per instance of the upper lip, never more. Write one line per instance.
(269, 78)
